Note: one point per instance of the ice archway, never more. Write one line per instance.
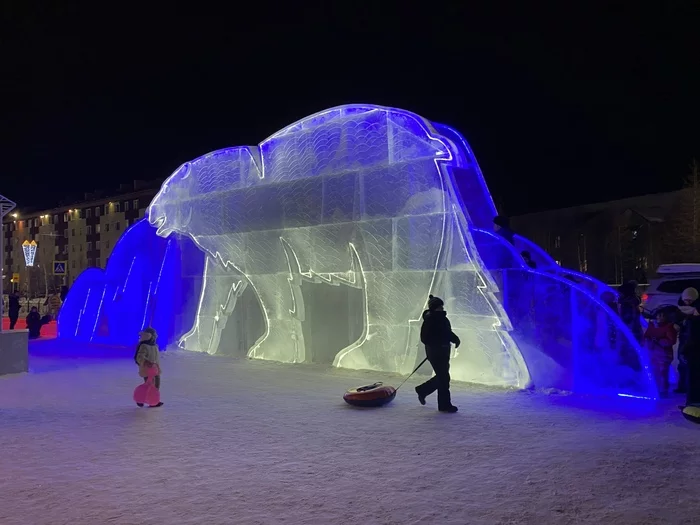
(322, 243)
(360, 197)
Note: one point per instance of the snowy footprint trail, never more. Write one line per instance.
(250, 442)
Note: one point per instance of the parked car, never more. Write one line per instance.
(667, 287)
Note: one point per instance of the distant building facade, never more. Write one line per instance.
(81, 235)
(620, 240)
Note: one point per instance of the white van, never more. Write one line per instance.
(671, 280)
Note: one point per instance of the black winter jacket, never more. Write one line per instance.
(682, 320)
(13, 305)
(689, 346)
(437, 330)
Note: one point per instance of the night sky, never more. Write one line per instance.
(561, 106)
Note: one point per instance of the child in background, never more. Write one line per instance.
(660, 337)
(148, 356)
(606, 330)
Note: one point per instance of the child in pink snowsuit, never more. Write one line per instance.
(148, 356)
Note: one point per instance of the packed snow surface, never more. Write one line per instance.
(252, 442)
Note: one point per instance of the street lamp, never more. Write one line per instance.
(6, 206)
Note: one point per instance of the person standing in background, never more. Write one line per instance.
(688, 304)
(501, 226)
(629, 308)
(13, 309)
(660, 337)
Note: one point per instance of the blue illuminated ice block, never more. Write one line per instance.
(149, 281)
(569, 339)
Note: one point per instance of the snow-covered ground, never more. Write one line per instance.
(250, 442)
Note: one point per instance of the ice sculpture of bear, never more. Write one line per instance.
(358, 196)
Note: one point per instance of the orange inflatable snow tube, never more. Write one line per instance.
(374, 395)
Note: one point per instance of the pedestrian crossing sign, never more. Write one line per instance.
(59, 267)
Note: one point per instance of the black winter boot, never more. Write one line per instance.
(421, 398)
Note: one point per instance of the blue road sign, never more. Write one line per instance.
(59, 267)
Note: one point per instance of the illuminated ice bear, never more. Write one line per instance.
(358, 196)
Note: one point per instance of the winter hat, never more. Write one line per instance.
(690, 294)
(629, 288)
(154, 334)
(434, 303)
(500, 220)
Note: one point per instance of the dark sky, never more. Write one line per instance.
(561, 105)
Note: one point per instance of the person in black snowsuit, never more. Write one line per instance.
(436, 334)
(34, 323)
(691, 353)
(688, 305)
(13, 309)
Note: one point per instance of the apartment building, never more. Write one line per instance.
(619, 240)
(81, 235)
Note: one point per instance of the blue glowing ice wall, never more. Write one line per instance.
(569, 339)
(359, 198)
(468, 181)
(149, 281)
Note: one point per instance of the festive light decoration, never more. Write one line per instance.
(29, 249)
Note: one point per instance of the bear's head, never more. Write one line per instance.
(171, 208)
(190, 198)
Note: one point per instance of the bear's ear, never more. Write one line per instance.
(177, 176)
(412, 138)
(186, 169)
(181, 173)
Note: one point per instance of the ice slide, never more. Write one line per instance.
(568, 337)
(322, 243)
(149, 281)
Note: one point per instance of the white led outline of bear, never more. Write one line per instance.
(387, 343)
